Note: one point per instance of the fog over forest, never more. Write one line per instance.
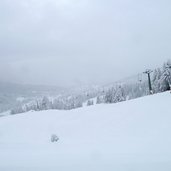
(77, 42)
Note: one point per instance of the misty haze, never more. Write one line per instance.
(85, 85)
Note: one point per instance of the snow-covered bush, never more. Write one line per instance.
(90, 103)
(54, 138)
(100, 99)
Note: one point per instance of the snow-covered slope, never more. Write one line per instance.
(129, 136)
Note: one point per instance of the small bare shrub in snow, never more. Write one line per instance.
(54, 138)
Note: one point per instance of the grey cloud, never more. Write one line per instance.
(68, 41)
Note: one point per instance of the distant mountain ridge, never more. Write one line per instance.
(10, 92)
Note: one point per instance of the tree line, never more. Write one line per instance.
(117, 92)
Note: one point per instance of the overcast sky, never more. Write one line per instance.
(66, 42)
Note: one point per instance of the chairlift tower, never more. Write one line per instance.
(148, 72)
(169, 67)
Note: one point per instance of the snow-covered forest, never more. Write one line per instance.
(126, 89)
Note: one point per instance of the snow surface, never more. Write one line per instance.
(130, 136)
(5, 113)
